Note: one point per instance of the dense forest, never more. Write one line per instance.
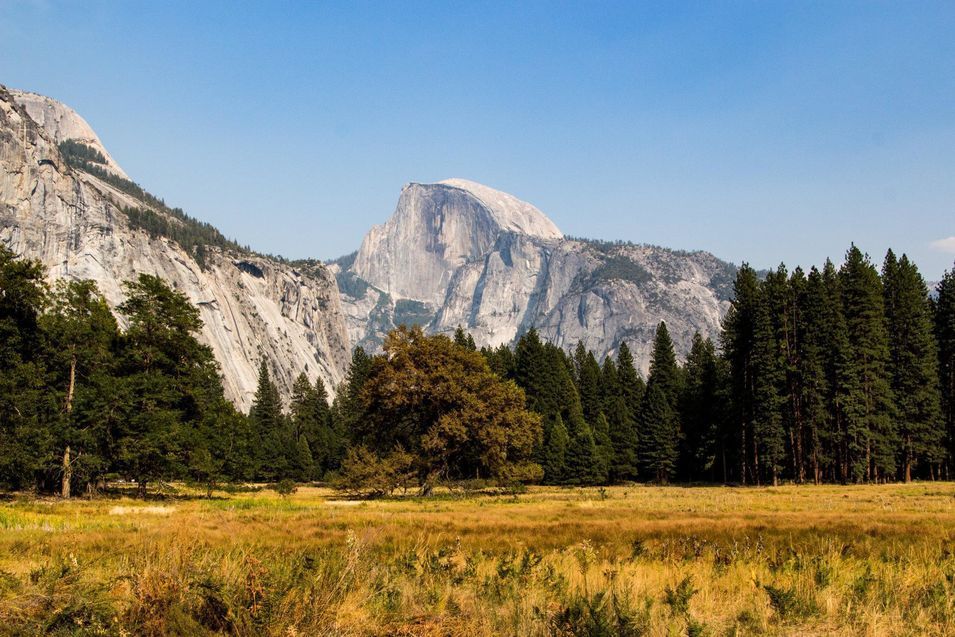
(836, 375)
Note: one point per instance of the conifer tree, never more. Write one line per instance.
(587, 376)
(659, 426)
(945, 336)
(870, 411)
(554, 451)
(25, 411)
(769, 377)
(658, 440)
(271, 434)
(815, 329)
(738, 345)
(631, 384)
(842, 383)
(621, 423)
(700, 411)
(913, 364)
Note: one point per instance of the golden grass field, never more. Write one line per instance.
(831, 560)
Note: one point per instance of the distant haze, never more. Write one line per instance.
(763, 132)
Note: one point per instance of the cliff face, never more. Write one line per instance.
(453, 253)
(74, 222)
(458, 253)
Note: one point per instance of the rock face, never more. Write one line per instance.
(453, 253)
(438, 228)
(458, 253)
(74, 222)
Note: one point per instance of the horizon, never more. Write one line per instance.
(762, 134)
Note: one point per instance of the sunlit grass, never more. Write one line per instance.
(876, 560)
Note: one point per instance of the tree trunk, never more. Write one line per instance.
(67, 474)
(72, 387)
(142, 489)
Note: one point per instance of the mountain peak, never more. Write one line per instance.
(62, 123)
(508, 211)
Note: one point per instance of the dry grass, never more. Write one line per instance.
(876, 560)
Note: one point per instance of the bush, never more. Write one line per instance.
(285, 487)
(365, 474)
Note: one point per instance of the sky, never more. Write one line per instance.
(764, 132)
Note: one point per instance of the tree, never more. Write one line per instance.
(311, 421)
(464, 339)
(738, 345)
(348, 408)
(271, 434)
(659, 426)
(913, 364)
(170, 381)
(815, 344)
(554, 455)
(621, 423)
(81, 339)
(26, 408)
(701, 411)
(664, 370)
(631, 384)
(768, 383)
(442, 403)
(869, 406)
(945, 336)
(658, 440)
(587, 377)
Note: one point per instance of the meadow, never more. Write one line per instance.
(629, 560)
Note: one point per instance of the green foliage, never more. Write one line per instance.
(285, 487)
(77, 153)
(677, 598)
(443, 404)
(365, 473)
(619, 268)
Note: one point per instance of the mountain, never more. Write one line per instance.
(67, 203)
(457, 253)
(454, 253)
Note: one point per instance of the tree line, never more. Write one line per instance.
(841, 375)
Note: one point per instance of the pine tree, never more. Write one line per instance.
(348, 409)
(271, 433)
(700, 411)
(814, 335)
(170, 382)
(870, 411)
(913, 364)
(842, 383)
(587, 377)
(769, 377)
(631, 384)
(945, 336)
(658, 440)
(621, 424)
(659, 431)
(26, 410)
(554, 456)
(81, 342)
(664, 370)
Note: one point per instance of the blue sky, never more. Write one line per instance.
(759, 131)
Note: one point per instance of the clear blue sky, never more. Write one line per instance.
(759, 131)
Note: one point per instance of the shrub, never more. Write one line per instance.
(285, 487)
(366, 474)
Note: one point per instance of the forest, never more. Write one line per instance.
(842, 375)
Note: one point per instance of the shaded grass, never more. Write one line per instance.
(623, 561)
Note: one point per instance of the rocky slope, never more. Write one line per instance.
(75, 223)
(459, 253)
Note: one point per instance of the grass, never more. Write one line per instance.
(861, 560)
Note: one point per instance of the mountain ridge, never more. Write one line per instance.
(453, 253)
